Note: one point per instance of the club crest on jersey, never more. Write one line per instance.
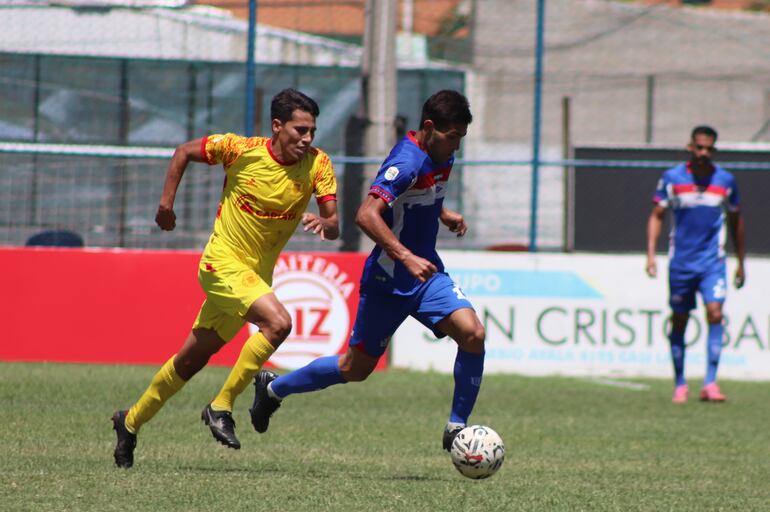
(391, 173)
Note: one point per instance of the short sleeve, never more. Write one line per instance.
(661, 192)
(393, 179)
(733, 198)
(324, 180)
(224, 149)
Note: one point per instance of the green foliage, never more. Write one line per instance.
(571, 444)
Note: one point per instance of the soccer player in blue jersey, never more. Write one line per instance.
(698, 191)
(403, 275)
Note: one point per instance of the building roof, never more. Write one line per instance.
(343, 17)
(108, 28)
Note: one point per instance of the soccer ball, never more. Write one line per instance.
(477, 452)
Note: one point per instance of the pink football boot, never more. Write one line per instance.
(711, 393)
(680, 394)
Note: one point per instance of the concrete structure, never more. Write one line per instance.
(707, 66)
(634, 74)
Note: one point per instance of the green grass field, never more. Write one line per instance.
(571, 444)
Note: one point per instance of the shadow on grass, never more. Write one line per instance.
(279, 470)
(414, 478)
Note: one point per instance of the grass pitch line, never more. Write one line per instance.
(635, 386)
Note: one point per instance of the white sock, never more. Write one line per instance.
(271, 393)
(450, 426)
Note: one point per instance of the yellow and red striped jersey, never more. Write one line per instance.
(263, 199)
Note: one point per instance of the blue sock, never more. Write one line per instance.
(469, 368)
(716, 334)
(319, 374)
(677, 356)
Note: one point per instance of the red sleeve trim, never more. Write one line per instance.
(324, 199)
(205, 157)
(382, 194)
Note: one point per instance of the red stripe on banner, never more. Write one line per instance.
(132, 307)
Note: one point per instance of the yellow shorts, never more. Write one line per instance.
(231, 288)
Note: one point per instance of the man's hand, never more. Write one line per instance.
(314, 223)
(420, 268)
(740, 277)
(165, 218)
(651, 268)
(454, 221)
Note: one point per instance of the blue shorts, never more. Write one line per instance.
(711, 284)
(380, 314)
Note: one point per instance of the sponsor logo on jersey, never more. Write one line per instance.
(247, 203)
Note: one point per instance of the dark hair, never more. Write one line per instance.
(284, 104)
(446, 108)
(703, 130)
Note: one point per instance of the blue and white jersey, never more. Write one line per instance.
(414, 187)
(697, 240)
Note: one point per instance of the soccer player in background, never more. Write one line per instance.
(698, 191)
(403, 276)
(268, 184)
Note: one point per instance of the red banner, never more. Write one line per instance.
(125, 306)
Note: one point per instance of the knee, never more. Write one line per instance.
(277, 328)
(473, 340)
(356, 374)
(187, 366)
(714, 317)
(353, 372)
(679, 322)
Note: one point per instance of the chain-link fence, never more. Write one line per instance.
(156, 73)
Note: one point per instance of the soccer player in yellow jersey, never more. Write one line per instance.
(268, 184)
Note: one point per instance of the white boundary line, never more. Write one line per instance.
(635, 386)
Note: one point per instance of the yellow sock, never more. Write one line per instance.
(163, 386)
(254, 353)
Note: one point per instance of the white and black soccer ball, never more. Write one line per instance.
(477, 452)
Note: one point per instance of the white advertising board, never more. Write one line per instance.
(590, 315)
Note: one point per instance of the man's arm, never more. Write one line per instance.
(737, 232)
(327, 225)
(454, 221)
(654, 224)
(183, 155)
(369, 219)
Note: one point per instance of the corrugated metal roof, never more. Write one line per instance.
(186, 33)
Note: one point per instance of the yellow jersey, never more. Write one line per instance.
(263, 199)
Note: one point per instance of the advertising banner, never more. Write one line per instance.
(590, 315)
(119, 306)
(320, 291)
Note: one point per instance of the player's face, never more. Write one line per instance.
(295, 135)
(441, 145)
(702, 149)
